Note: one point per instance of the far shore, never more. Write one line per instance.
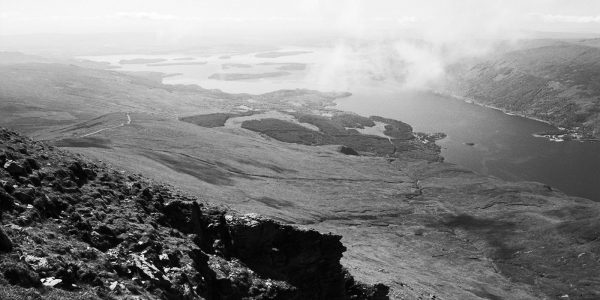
(572, 133)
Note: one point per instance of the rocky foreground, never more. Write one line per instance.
(76, 229)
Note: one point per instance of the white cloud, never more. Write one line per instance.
(147, 16)
(567, 18)
(407, 19)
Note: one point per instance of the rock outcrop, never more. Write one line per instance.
(76, 229)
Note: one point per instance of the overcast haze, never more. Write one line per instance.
(470, 18)
(451, 30)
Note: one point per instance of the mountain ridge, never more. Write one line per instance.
(555, 82)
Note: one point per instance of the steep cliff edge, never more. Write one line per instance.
(75, 229)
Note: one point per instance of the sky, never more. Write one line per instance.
(431, 18)
(366, 34)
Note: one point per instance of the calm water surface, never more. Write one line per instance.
(503, 144)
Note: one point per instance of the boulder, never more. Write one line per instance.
(15, 169)
(8, 185)
(104, 238)
(79, 173)
(22, 149)
(146, 194)
(184, 216)
(50, 206)
(89, 173)
(5, 242)
(6, 201)
(35, 179)
(33, 164)
(25, 195)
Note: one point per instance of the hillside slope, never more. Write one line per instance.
(74, 229)
(557, 82)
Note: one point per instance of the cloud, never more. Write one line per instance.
(154, 16)
(407, 19)
(567, 18)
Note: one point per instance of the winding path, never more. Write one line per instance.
(113, 127)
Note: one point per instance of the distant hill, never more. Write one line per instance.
(18, 57)
(13, 57)
(556, 81)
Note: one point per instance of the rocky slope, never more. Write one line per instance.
(552, 81)
(72, 228)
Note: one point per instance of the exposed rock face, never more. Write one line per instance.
(84, 230)
(303, 258)
(15, 169)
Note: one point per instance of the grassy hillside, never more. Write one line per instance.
(554, 81)
(78, 230)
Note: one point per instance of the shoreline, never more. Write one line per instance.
(562, 135)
